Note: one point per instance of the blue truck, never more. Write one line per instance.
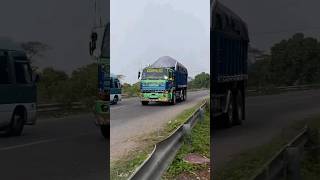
(228, 63)
(163, 81)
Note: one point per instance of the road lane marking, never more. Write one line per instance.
(27, 144)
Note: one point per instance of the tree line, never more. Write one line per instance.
(292, 61)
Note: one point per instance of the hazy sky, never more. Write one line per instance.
(144, 30)
(270, 21)
(64, 25)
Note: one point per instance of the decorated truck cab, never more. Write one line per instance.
(163, 81)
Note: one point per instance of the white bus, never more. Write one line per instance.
(18, 91)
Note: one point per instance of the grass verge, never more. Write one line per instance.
(123, 168)
(246, 164)
(199, 143)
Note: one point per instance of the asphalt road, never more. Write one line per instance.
(130, 121)
(266, 117)
(55, 149)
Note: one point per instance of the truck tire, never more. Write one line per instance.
(184, 96)
(144, 103)
(239, 109)
(174, 100)
(229, 116)
(105, 131)
(16, 125)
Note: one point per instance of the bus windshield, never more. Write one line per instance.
(155, 73)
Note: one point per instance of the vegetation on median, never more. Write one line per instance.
(121, 169)
(247, 163)
(198, 143)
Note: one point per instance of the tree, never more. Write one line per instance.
(50, 85)
(34, 49)
(201, 80)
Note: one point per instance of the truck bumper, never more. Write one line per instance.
(156, 97)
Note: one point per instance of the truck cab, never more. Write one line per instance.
(18, 91)
(157, 84)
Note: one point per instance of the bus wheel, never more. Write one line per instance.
(239, 109)
(144, 103)
(16, 125)
(115, 100)
(105, 131)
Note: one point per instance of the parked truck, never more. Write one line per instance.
(228, 64)
(163, 81)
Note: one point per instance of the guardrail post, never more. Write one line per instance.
(293, 168)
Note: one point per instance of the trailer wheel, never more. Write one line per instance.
(174, 100)
(16, 125)
(144, 103)
(229, 116)
(239, 109)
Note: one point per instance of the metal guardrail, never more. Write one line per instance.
(59, 107)
(164, 152)
(286, 88)
(286, 162)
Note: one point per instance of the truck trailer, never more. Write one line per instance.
(229, 42)
(163, 81)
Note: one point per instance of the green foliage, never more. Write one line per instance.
(50, 84)
(201, 80)
(57, 86)
(200, 144)
(131, 90)
(291, 62)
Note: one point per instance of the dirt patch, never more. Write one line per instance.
(199, 175)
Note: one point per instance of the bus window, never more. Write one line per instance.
(4, 69)
(23, 73)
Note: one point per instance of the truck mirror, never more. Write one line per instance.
(139, 74)
(93, 43)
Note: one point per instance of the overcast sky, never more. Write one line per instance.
(64, 25)
(270, 21)
(144, 30)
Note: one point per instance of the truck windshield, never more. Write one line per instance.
(155, 73)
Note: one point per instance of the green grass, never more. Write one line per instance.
(310, 168)
(123, 168)
(199, 143)
(249, 162)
